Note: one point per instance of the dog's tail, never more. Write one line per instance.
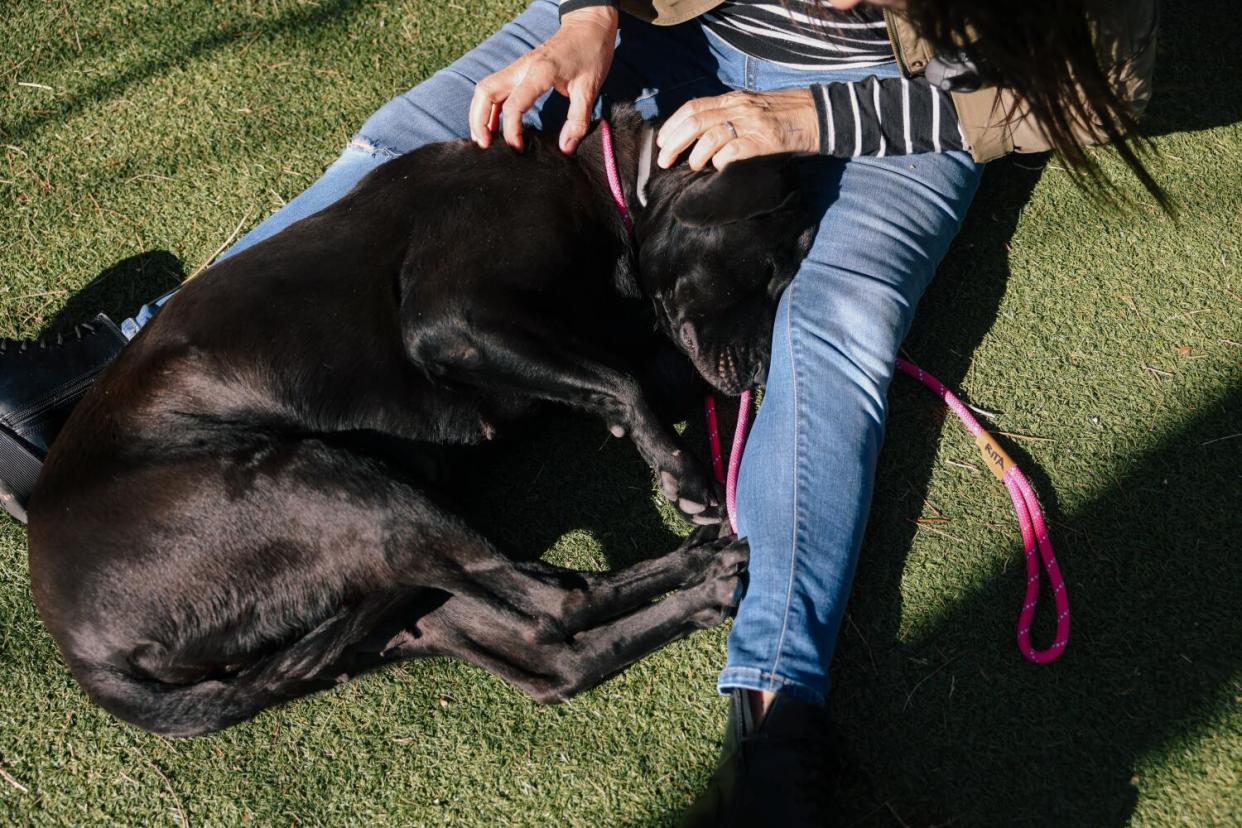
(151, 694)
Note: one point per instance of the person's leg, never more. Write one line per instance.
(806, 480)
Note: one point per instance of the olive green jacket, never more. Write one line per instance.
(993, 120)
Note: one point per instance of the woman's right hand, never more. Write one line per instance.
(574, 62)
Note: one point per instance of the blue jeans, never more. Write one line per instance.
(806, 480)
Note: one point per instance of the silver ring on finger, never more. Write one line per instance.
(732, 129)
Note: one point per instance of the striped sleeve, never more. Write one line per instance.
(567, 6)
(885, 116)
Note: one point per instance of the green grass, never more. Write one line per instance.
(135, 136)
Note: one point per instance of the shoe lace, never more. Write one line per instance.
(56, 340)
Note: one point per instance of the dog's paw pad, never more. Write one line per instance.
(690, 507)
(668, 485)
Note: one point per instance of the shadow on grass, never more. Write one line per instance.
(1196, 49)
(991, 739)
(564, 473)
(121, 289)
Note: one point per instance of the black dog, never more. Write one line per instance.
(245, 507)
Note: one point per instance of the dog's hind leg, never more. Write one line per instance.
(587, 626)
(607, 595)
(285, 563)
(552, 603)
(551, 669)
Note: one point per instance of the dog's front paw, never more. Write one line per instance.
(725, 581)
(711, 553)
(683, 481)
(728, 571)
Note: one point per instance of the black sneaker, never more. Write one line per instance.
(40, 383)
(777, 774)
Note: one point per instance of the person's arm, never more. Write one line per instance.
(875, 116)
(885, 116)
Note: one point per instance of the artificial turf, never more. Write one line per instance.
(135, 137)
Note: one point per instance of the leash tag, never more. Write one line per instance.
(994, 457)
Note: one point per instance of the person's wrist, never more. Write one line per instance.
(602, 16)
(587, 37)
(806, 138)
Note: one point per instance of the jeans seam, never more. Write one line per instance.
(793, 540)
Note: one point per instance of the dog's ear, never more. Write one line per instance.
(743, 190)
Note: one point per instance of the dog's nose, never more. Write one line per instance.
(689, 337)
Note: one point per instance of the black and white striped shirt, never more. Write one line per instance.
(803, 35)
(871, 117)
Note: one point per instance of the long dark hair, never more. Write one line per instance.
(1043, 51)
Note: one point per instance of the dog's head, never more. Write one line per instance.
(715, 252)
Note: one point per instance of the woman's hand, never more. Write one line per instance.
(574, 62)
(740, 125)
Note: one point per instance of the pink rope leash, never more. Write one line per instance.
(729, 481)
(1030, 521)
(614, 180)
(1025, 504)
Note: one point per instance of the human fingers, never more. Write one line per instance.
(710, 143)
(690, 122)
(537, 79)
(737, 150)
(489, 94)
(581, 101)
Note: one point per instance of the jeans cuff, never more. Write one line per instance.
(750, 678)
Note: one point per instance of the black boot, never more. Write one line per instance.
(40, 383)
(775, 774)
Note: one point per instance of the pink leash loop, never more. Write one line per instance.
(1030, 522)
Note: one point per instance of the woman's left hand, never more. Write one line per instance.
(740, 125)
